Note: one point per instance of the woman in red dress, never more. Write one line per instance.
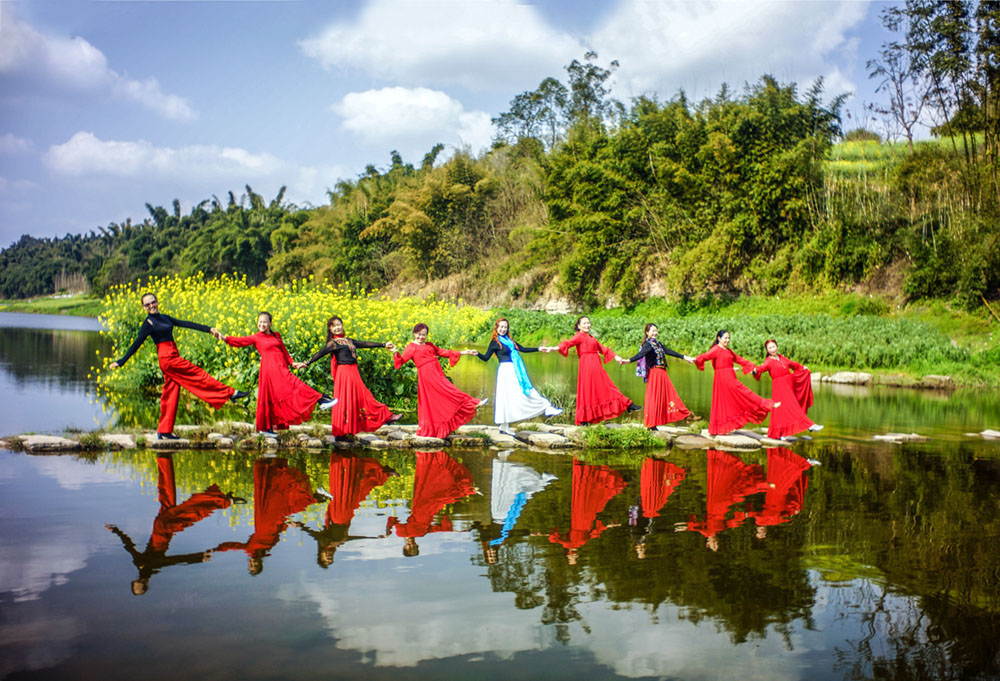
(441, 407)
(733, 404)
(791, 387)
(730, 481)
(356, 409)
(593, 488)
(657, 481)
(282, 398)
(662, 405)
(438, 480)
(597, 397)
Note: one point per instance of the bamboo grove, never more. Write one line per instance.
(756, 191)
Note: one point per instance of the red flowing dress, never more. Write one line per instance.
(441, 407)
(278, 492)
(352, 478)
(282, 398)
(593, 488)
(733, 404)
(790, 385)
(730, 481)
(439, 480)
(356, 410)
(657, 481)
(786, 482)
(597, 397)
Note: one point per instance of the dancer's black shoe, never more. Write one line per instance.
(634, 407)
(238, 395)
(167, 436)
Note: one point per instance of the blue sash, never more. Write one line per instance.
(519, 370)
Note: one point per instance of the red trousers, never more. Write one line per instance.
(179, 373)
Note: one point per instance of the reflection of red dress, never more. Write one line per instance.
(593, 488)
(282, 398)
(352, 478)
(439, 480)
(657, 482)
(597, 397)
(174, 517)
(730, 481)
(441, 407)
(786, 482)
(787, 388)
(278, 492)
(733, 404)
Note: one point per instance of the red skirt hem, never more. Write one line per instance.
(663, 404)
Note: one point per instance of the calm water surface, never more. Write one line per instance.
(840, 559)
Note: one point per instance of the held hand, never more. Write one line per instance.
(469, 352)
(619, 359)
(390, 346)
(689, 360)
(114, 365)
(298, 365)
(218, 334)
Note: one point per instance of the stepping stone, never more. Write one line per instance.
(395, 435)
(545, 440)
(311, 443)
(224, 442)
(459, 441)
(692, 441)
(771, 442)
(900, 437)
(48, 443)
(422, 442)
(118, 440)
(849, 378)
(991, 434)
(737, 441)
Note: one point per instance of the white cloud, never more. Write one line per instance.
(479, 45)
(413, 117)
(663, 46)
(73, 63)
(12, 144)
(194, 169)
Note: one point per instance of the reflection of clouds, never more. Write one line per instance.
(39, 643)
(36, 553)
(630, 643)
(430, 607)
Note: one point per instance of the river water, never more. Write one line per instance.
(840, 558)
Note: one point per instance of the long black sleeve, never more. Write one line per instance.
(367, 344)
(323, 351)
(644, 349)
(144, 332)
(491, 349)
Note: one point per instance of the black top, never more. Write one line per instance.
(161, 328)
(342, 351)
(655, 353)
(501, 351)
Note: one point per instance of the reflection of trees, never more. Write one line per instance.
(929, 525)
(46, 354)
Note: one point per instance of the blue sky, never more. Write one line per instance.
(105, 106)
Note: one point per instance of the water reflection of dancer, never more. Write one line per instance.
(658, 479)
(511, 486)
(733, 404)
(662, 404)
(516, 398)
(356, 410)
(278, 492)
(730, 481)
(593, 488)
(171, 519)
(282, 398)
(786, 489)
(441, 407)
(177, 372)
(597, 397)
(439, 480)
(791, 388)
(352, 478)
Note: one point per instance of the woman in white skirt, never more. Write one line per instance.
(516, 399)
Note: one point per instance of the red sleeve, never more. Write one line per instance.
(334, 365)
(608, 353)
(747, 365)
(792, 363)
(241, 341)
(452, 355)
(700, 360)
(284, 350)
(564, 346)
(399, 360)
(762, 368)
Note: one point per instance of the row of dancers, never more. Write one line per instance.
(280, 491)
(283, 399)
